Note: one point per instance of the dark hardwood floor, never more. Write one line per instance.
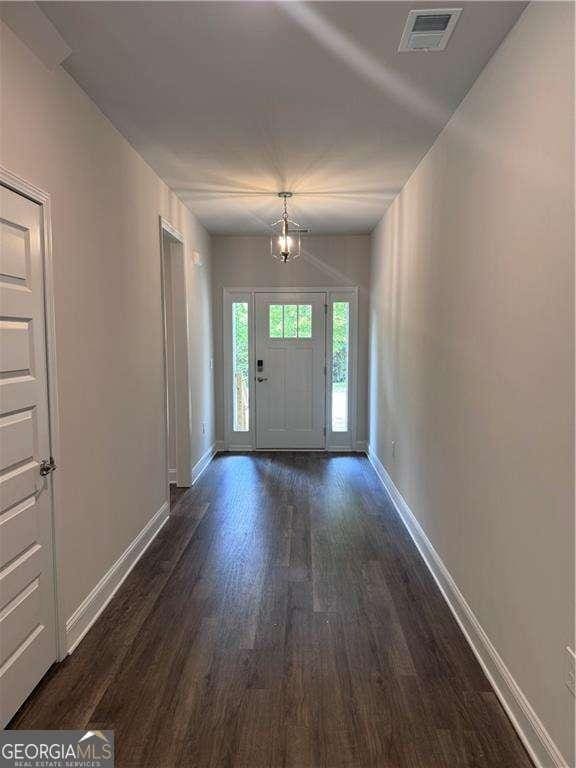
(175, 494)
(282, 618)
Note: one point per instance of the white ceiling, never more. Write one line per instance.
(231, 102)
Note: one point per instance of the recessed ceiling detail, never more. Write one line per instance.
(341, 118)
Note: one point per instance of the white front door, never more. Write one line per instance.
(27, 610)
(290, 371)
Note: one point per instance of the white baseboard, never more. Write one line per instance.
(222, 446)
(92, 606)
(359, 447)
(202, 464)
(530, 728)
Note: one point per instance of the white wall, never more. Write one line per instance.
(329, 260)
(471, 326)
(106, 243)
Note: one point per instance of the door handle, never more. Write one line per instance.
(47, 466)
(262, 378)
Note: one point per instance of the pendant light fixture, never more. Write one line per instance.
(286, 235)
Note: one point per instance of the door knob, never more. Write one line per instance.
(47, 466)
(262, 378)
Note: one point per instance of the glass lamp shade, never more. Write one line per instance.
(285, 242)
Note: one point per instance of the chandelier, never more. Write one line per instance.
(286, 235)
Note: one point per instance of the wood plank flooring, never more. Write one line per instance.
(281, 619)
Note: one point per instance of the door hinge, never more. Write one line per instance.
(325, 371)
(47, 466)
(324, 429)
(325, 309)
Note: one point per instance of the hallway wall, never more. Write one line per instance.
(106, 203)
(329, 260)
(471, 368)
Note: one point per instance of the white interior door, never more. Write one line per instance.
(27, 609)
(290, 371)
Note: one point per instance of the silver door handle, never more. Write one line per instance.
(262, 378)
(47, 466)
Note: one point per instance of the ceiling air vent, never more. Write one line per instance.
(429, 30)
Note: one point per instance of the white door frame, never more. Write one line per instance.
(246, 441)
(42, 198)
(182, 389)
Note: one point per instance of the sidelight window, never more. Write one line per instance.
(240, 367)
(340, 365)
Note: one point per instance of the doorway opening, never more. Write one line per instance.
(178, 444)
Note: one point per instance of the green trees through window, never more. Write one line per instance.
(304, 321)
(340, 364)
(240, 367)
(290, 321)
(276, 329)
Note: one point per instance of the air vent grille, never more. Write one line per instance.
(429, 23)
(429, 30)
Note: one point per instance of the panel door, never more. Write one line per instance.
(290, 382)
(27, 609)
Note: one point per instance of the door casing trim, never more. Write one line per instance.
(23, 187)
(248, 294)
(183, 478)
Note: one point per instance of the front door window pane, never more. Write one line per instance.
(340, 365)
(304, 321)
(290, 321)
(275, 321)
(240, 365)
